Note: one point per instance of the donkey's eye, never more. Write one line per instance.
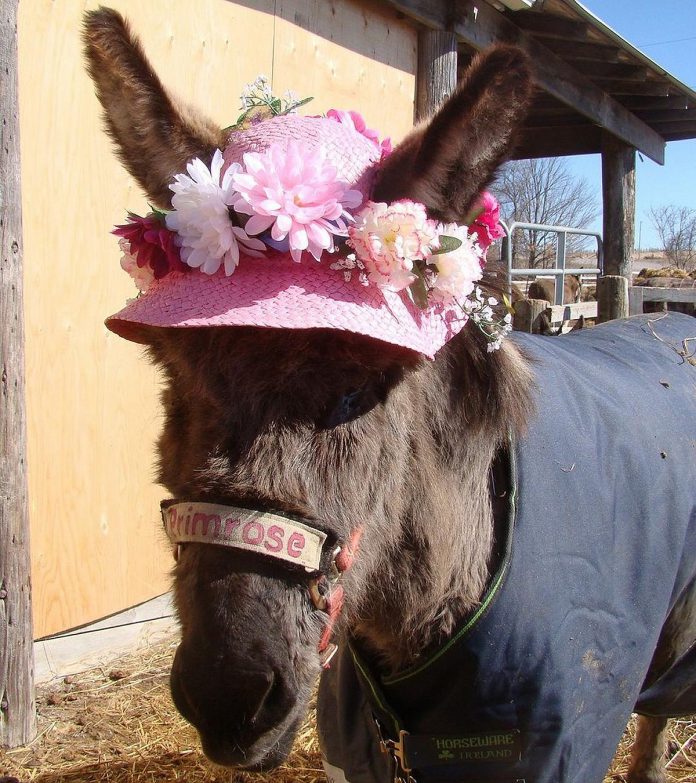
(351, 405)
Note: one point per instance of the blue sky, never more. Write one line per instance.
(665, 32)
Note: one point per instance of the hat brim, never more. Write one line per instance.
(275, 292)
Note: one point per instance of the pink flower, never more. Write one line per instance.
(355, 120)
(151, 244)
(458, 270)
(387, 238)
(486, 225)
(296, 194)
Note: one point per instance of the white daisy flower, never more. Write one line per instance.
(201, 218)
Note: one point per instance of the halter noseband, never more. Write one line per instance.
(270, 535)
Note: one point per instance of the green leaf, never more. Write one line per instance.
(418, 291)
(447, 245)
(297, 104)
(508, 303)
(158, 213)
(276, 105)
(471, 217)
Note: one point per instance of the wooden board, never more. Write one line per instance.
(92, 400)
(348, 55)
(637, 295)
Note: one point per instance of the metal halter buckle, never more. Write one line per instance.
(396, 751)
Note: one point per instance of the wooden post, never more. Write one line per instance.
(528, 315)
(612, 298)
(619, 197)
(437, 70)
(17, 708)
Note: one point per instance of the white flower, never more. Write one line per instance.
(142, 275)
(458, 270)
(202, 220)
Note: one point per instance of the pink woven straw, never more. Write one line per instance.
(276, 292)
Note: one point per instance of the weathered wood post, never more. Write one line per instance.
(437, 70)
(619, 198)
(17, 709)
(529, 315)
(612, 298)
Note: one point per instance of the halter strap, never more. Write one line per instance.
(241, 528)
(270, 535)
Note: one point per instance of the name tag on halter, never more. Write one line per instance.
(241, 528)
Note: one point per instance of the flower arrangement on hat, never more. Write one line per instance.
(291, 199)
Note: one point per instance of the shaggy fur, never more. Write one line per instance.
(335, 428)
(253, 430)
(448, 160)
(154, 135)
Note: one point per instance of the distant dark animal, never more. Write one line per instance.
(516, 592)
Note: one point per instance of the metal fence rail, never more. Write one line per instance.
(559, 270)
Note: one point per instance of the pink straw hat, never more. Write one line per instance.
(276, 292)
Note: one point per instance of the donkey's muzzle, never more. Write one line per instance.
(237, 711)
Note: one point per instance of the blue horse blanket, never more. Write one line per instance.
(538, 684)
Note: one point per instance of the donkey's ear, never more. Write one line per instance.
(155, 137)
(447, 161)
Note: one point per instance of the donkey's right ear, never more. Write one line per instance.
(154, 136)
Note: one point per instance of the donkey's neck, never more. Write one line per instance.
(439, 557)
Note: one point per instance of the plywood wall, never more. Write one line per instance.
(92, 400)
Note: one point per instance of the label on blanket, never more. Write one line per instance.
(242, 528)
(491, 747)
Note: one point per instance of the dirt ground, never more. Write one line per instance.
(116, 724)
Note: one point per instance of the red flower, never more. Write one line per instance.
(486, 224)
(152, 244)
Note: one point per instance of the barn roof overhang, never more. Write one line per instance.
(590, 81)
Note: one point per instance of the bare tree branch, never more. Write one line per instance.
(676, 227)
(543, 191)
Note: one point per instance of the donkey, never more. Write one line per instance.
(507, 563)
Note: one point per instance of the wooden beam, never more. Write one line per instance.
(619, 199)
(583, 50)
(681, 136)
(598, 70)
(547, 25)
(688, 125)
(637, 103)
(558, 142)
(567, 120)
(480, 25)
(437, 70)
(17, 706)
(627, 87)
(667, 115)
(612, 298)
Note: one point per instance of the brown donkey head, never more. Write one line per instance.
(337, 430)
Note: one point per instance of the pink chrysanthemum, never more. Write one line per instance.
(296, 193)
(356, 121)
(388, 238)
(151, 244)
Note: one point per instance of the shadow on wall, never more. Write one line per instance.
(350, 25)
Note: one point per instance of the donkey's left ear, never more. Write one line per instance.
(447, 161)
(154, 135)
